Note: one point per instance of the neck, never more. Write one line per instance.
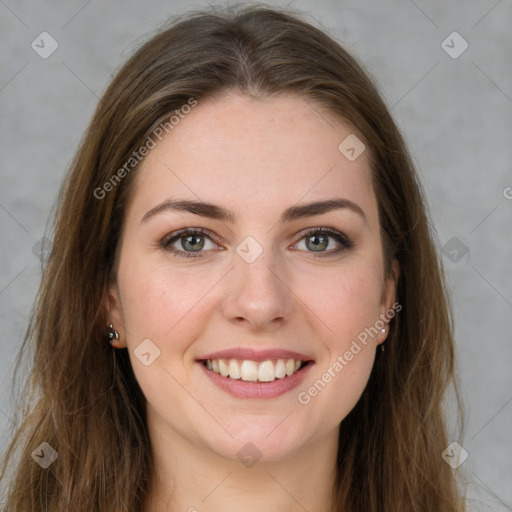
(191, 478)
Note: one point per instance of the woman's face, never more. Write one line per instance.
(216, 322)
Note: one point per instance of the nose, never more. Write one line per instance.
(256, 294)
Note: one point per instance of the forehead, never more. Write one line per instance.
(256, 154)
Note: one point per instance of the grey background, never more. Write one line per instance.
(456, 115)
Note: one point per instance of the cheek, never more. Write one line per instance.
(165, 304)
(350, 307)
(151, 304)
(348, 381)
(164, 307)
(345, 302)
(347, 305)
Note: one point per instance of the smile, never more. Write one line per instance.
(254, 371)
(248, 373)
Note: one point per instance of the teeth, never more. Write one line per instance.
(223, 367)
(266, 371)
(249, 371)
(280, 369)
(234, 369)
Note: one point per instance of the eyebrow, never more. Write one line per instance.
(216, 212)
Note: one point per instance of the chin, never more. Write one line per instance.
(267, 439)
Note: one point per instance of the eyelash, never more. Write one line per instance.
(341, 238)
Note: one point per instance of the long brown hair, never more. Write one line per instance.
(82, 397)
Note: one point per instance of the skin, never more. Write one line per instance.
(256, 157)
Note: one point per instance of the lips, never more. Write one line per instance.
(256, 355)
(248, 373)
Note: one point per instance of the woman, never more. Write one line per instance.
(243, 308)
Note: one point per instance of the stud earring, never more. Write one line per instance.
(113, 335)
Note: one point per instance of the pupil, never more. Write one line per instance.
(316, 244)
(197, 245)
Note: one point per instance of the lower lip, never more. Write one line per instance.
(247, 389)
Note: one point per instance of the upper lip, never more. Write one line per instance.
(256, 355)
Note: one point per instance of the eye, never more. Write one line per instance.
(187, 242)
(319, 239)
(192, 242)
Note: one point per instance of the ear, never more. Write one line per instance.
(115, 314)
(388, 299)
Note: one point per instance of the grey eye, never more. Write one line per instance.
(317, 242)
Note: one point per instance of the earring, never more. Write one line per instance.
(113, 335)
(383, 331)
